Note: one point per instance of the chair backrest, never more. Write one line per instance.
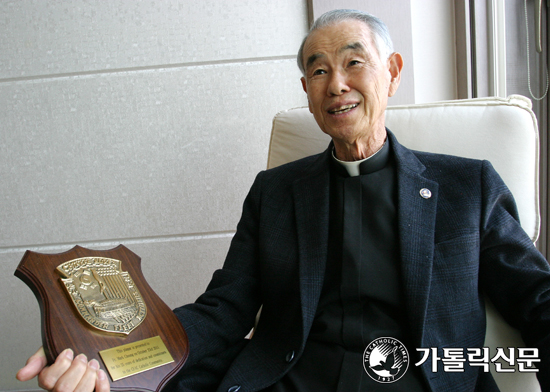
(503, 131)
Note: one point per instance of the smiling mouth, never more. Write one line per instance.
(343, 109)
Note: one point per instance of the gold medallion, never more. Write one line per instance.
(104, 295)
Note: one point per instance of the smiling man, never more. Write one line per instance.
(357, 256)
(348, 84)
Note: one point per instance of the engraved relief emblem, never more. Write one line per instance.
(103, 295)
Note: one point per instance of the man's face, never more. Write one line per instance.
(347, 83)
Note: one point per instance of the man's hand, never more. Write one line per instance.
(67, 373)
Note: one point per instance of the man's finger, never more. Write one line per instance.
(64, 363)
(33, 367)
(102, 384)
(89, 380)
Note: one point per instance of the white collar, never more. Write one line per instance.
(353, 167)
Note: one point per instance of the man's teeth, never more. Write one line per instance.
(343, 109)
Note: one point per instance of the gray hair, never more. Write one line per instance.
(379, 30)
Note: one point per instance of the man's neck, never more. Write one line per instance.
(361, 148)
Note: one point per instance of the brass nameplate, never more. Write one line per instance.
(104, 295)
(133, 358)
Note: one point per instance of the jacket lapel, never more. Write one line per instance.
(416, 230)
(311, 201)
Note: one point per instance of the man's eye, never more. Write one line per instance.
(354, 62)
(319, 72)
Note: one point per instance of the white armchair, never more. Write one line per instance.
(504, 131)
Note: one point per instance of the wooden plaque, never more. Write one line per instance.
(98, 303)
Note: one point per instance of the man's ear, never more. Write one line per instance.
(304, 86)
(395, 65)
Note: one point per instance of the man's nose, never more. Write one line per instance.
(338, 84)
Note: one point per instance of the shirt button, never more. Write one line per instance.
(234, 388)
(290, 356)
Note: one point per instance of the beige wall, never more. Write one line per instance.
(434, 50)
(142, 123)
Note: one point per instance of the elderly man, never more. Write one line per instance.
(330, 246)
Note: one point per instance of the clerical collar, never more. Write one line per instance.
(368, 165)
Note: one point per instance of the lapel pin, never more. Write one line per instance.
(425, 193)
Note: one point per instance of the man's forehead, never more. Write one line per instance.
(344, 36)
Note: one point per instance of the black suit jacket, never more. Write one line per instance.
(463, 240)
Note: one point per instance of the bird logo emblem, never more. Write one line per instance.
(386, 360)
